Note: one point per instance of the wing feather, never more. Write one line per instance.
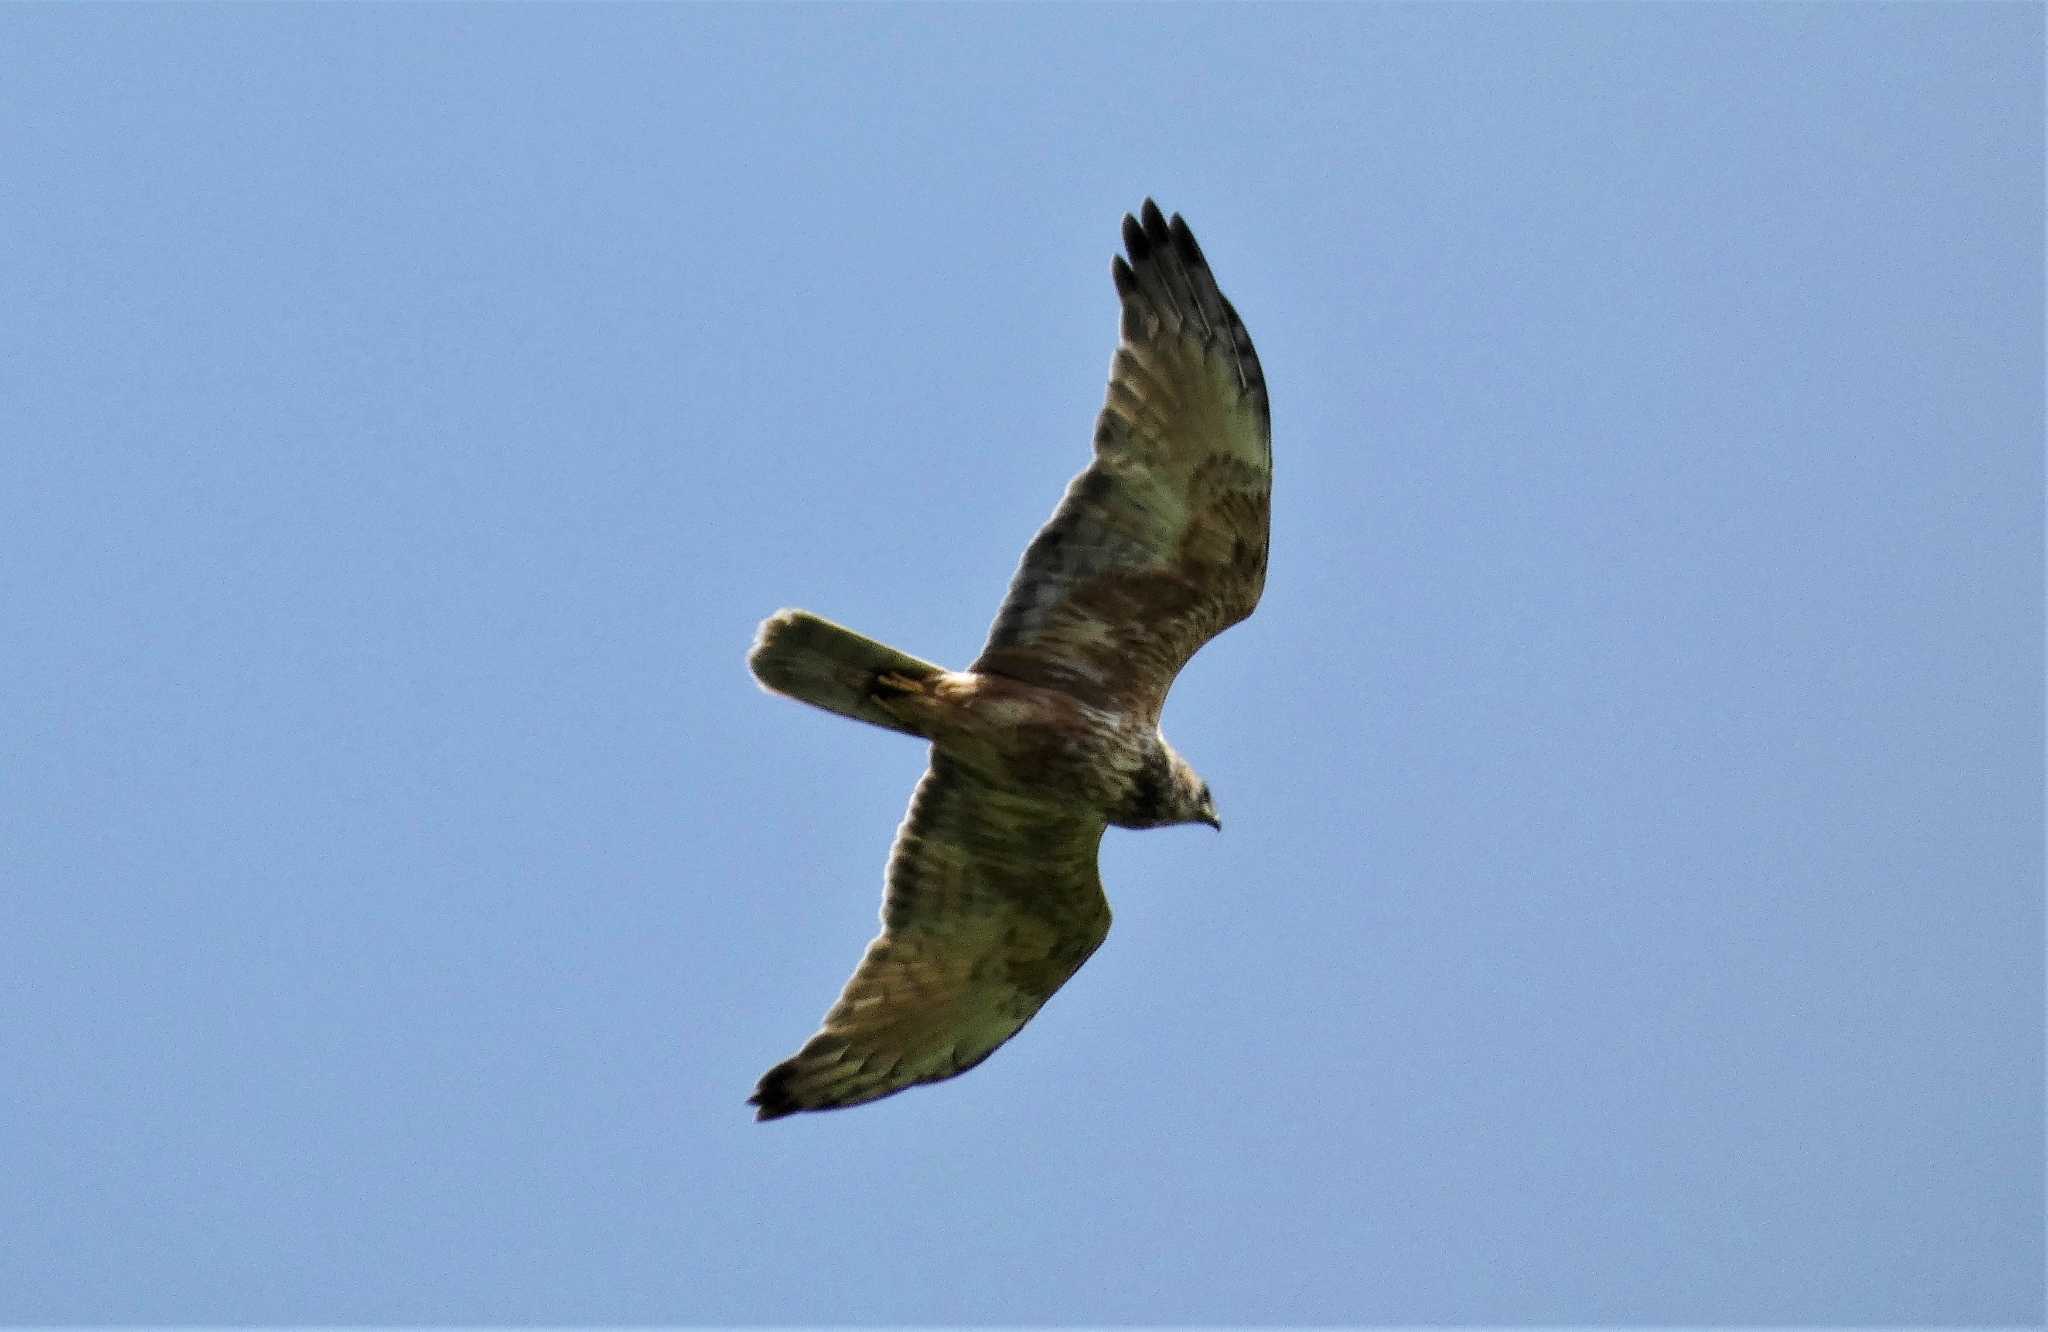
(993, 901)
(1160, 544)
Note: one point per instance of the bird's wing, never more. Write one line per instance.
(993, 901)
(1160, 544)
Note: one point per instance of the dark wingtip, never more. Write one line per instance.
(1121, 274)
(1154, 224)
(1135, 243)
(772, 1099)
(1149, 232)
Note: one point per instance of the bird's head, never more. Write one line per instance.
(1191, 802)
(1168, 791)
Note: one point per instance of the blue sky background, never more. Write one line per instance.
(1631, 903)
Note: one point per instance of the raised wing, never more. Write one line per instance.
(993, 901)
(1160, 544)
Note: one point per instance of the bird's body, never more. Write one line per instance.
(1052, 734)
(1045, 744)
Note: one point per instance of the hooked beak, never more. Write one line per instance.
(1208, 816)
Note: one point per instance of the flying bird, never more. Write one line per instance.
(1052, 734)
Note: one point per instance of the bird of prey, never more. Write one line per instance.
(992, 897)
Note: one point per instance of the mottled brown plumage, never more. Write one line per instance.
(993, 900)
(1160, 544)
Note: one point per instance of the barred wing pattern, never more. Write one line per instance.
(993, 902)
(1160, 544)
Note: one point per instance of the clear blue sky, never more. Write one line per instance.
(1630, 907)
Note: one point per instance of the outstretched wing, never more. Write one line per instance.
(993, 901)
(1160, 544)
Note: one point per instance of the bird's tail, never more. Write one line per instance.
(829, 666)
